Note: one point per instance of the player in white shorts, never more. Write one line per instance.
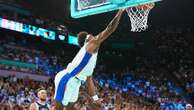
(68, 81)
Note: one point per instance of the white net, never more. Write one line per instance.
(139, 17)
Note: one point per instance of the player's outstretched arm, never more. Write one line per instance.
(96, 41)
(110, 28)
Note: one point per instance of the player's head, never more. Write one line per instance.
(189, 107)
(83, 37)
(42, 95)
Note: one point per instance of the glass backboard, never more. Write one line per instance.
(82, 8)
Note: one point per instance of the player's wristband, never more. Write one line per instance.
(95, 98)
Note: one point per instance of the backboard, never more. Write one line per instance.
(82, 8)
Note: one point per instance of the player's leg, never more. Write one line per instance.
(65, 102)
(71, 92)
(59, 106)
(75, 85)
(62, 90)
(59, 87)
(66, 88)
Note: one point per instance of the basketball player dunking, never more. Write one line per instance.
(68, 81)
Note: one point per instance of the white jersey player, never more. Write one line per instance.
(68, 81)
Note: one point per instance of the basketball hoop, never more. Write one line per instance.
(139, 16)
